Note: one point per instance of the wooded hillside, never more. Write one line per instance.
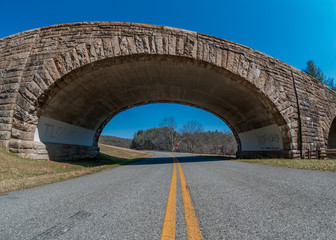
(190, 138)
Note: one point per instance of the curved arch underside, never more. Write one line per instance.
(95, 93)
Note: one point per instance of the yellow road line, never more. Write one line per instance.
(193, 230)
(168, 230)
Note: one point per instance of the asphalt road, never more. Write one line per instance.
(231, 200)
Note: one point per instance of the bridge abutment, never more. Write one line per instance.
(53, 151)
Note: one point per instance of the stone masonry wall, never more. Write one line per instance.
(32, 65)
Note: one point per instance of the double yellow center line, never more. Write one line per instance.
(193, 230)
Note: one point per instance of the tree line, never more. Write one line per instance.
(190, 138)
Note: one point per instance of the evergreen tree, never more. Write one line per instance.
(315, 71)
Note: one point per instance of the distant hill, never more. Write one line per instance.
(115, 141)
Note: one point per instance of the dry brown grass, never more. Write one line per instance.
(18, 173)
(123, 154)
(307, 164)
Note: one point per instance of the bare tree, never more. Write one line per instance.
(190, 140)
(190, 134)
(168, 124)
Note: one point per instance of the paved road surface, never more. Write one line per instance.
(231, 200)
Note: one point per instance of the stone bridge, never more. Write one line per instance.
(60, 85)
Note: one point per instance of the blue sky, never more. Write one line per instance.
(293, 31)
(126, 123)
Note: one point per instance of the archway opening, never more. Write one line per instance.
(86, 99)
(170, 127)
(332, 136)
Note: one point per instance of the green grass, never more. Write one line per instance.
(307, 164)
(19, 173)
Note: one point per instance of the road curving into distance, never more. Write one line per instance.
(177, 195)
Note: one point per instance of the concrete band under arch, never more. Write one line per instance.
(69, 80)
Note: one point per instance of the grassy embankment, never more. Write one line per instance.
(307, 164)
(18, 173)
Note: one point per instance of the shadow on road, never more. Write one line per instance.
(182, 159)
(105, 159)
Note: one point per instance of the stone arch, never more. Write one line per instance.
(265, 83)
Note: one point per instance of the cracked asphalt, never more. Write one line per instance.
(232, 200)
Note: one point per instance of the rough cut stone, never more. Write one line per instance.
(61, 74)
